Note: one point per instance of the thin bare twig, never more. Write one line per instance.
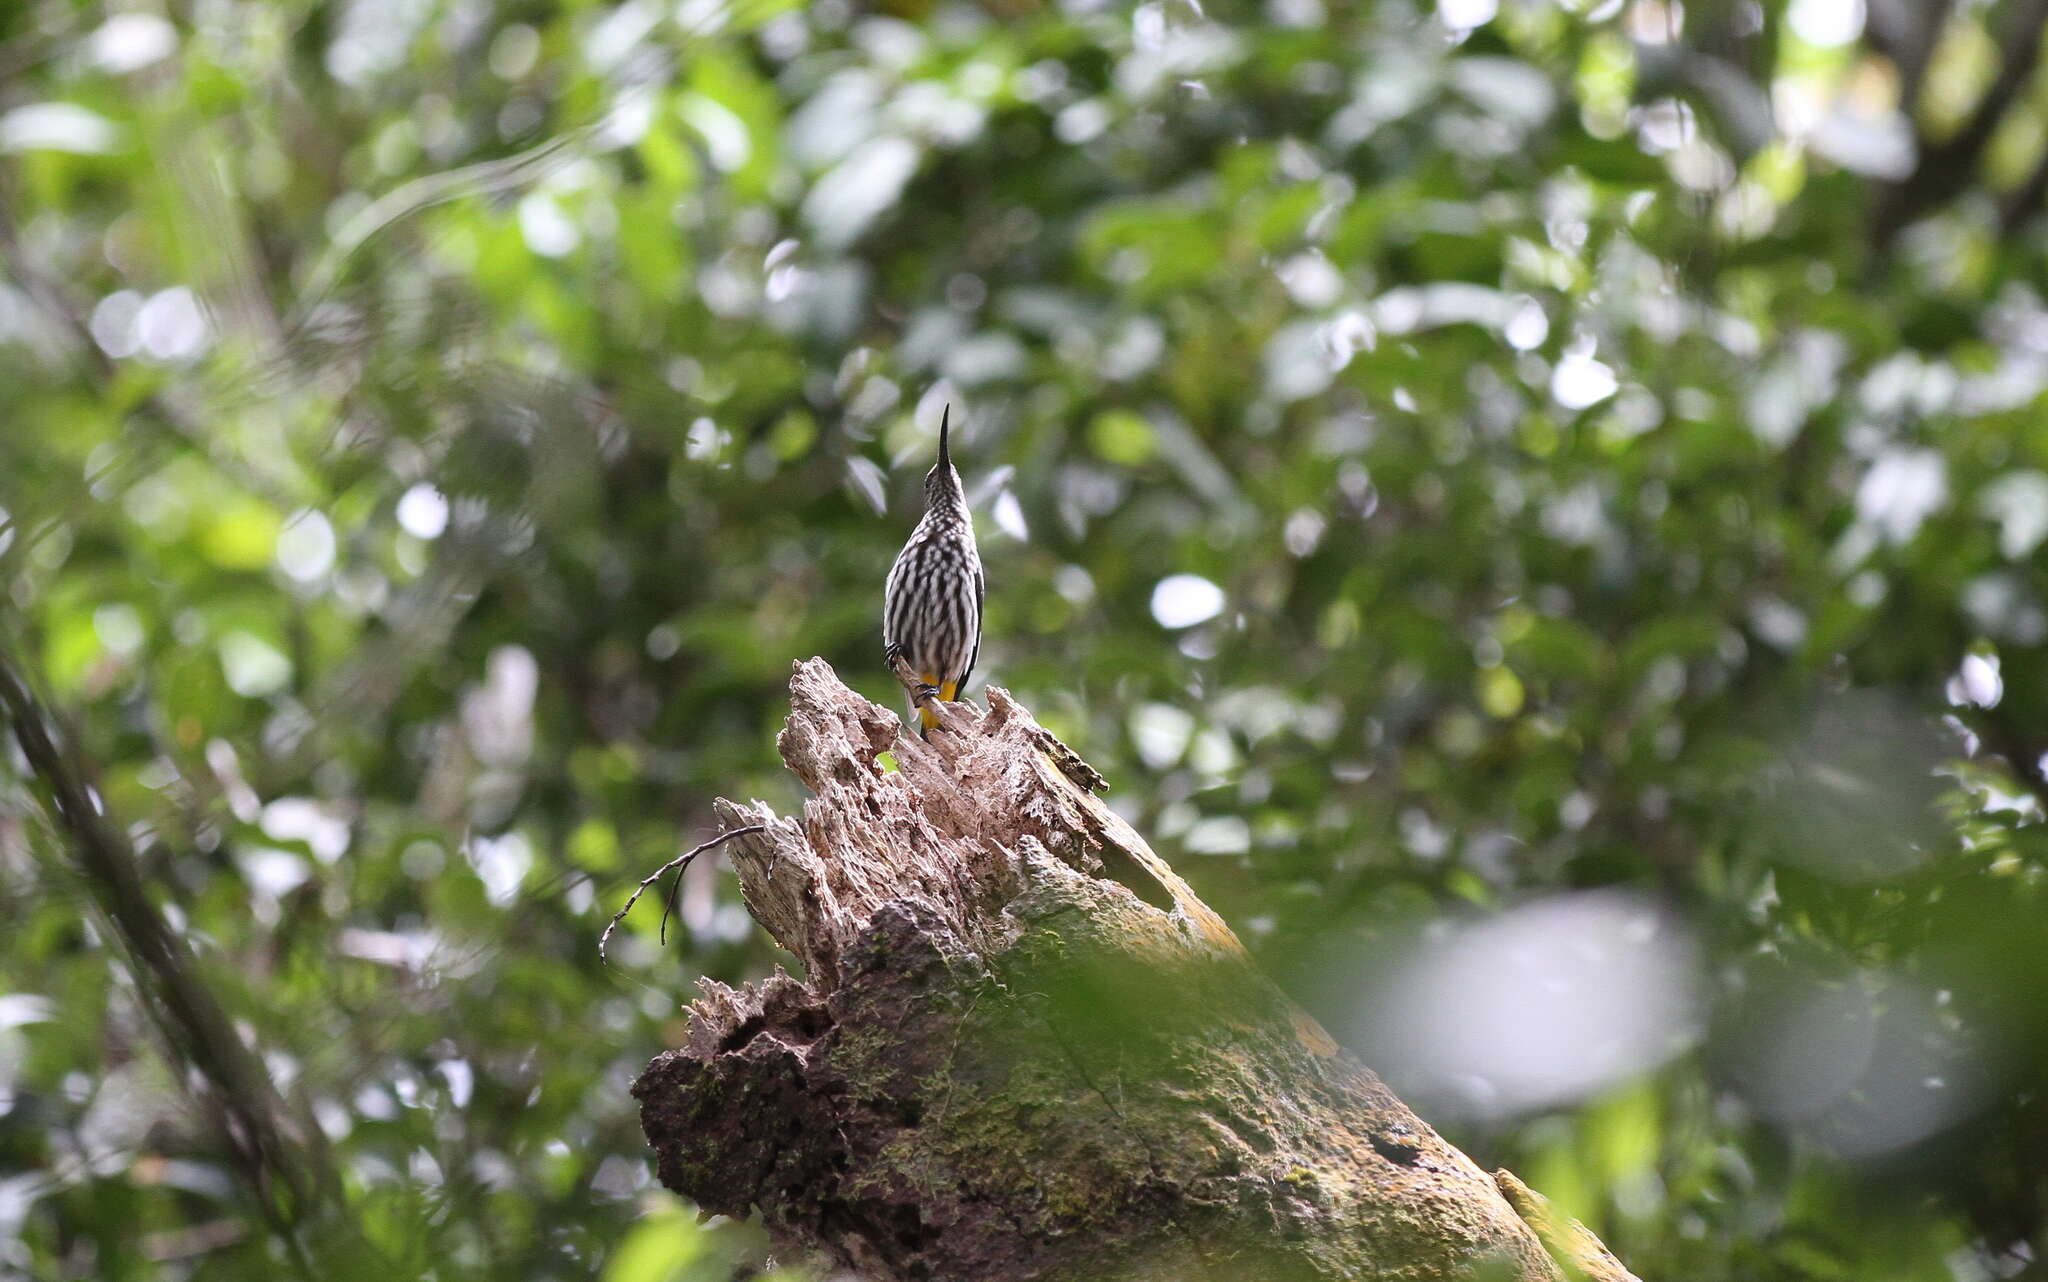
(923, 694)
(922, 691)
(676, 866)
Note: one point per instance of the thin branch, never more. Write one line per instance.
(2021, 42)
(194, 1027)
(922, 691)
(676, 866)
(480, 179)
(923, 694)
(1947, 166)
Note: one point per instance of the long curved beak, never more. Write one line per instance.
(945, 456)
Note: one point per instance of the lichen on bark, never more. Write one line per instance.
(1021, 1048)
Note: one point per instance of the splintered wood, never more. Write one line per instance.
(1020, 1047)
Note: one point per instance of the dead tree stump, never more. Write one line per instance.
(1023, 1049)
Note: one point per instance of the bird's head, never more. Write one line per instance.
(942, 483)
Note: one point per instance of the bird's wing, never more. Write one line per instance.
(980, 595)
(891, 624)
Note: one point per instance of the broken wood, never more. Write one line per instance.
(1021, 1048)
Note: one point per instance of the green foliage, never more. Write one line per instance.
(433, 429)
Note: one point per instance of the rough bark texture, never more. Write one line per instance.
(1023, 1049)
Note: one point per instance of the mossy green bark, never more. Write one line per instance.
(1024, 1050)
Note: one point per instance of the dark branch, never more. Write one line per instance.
(1948, 165)
(195, 1030)
(1906, 31)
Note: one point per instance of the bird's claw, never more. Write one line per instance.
(925, 692)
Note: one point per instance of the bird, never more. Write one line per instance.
(931, 610)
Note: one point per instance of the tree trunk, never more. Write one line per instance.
(1024, 1049)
